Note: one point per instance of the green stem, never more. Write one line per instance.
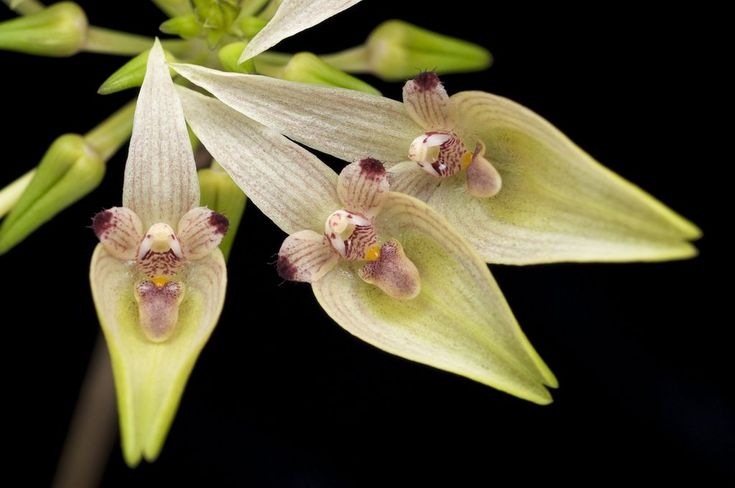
(24, 7)
(353, 60)
(107, 41)
(107, 137)
(274, 58)
(10, 194)
(251, 7)
(263, 67)
(270, 10)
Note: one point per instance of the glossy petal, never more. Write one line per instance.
(362, 186)
(347, 124)
(119, 230)
(160, 175)
(557, 203)
(200, 232)
(460, 321)
(287, 183)
(427, 102)
(305, 256)
(150, 377)
(292, 17)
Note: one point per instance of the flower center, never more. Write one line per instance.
(159, 254)
(352, 235)
(441, 154)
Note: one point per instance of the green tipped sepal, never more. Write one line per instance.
(59, 30)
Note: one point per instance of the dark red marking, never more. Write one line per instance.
(219, 222)
(428, 80)
(372, 168)
(285, 268)
(102, 222)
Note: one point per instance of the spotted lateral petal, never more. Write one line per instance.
(305, 256)
(363, 186)
(200, 232)
(120, 230)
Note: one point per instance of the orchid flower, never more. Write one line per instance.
(513, 185)
(383, 265)
(158, 279)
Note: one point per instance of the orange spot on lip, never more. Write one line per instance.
(159, 281)
(467, 159)
(372, 253)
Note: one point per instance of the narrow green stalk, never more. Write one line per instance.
(270, 10)
(353, 60)
(107, 41)
(11, 193)
(263, 67)
(274, 58)
(251, 7)
(112, 133)
(24, 7)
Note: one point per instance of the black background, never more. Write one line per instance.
(281, 396)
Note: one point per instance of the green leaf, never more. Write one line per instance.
(460, 322)
(150, 376)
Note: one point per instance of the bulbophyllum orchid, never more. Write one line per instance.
(513, 185)
(383, 265)
(158, 279)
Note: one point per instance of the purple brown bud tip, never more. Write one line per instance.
(372, 168)
(102, 222)
(286, 269)
(219, 222)
(428, 80)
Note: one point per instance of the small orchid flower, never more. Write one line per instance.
(513, 185)
(350, 235)
(158, 279)
(383, 265)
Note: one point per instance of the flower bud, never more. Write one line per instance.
(305, 67)
(185, 26)
(249, 25)
(58, 30)
(397, 50)
(130, 75)
(229, 56)
(10, 195)
(174, 8)
(69, 170)
(221, 194)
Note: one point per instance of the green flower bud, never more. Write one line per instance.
(397, 50)
(185, 26)
(70, 169)
(249, 25)
(59, 30)
(130, 75)
(306, 67)
(221, 194)
(174, 8)
(10, 195)
(229, 56)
